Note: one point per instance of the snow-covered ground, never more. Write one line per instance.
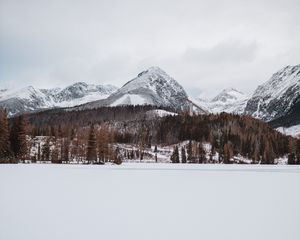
(292, 131)
(149, 201)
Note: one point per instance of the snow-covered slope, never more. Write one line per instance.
(152, 87)
(276, 97)
(23, 100)
(229, 100)
(292, 131)
(31, 99)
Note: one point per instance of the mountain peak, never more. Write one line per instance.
(28, 98)
(151, 87)
(231, 89)
(152, 70)
(155, 69)
(79, 84)
(228, 95)
(276, 97)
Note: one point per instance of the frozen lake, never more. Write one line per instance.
(149, 201)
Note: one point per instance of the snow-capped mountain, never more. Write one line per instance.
(151, 87)
(228, 100)
(276, 97)
(277, 101)
(31, 99)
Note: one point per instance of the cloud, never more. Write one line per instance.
(233, 51)
(203, 44)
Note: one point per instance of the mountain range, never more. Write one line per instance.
(228, 100)
(276, 101)
(31, 99)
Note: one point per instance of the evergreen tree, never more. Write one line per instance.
(18, 138)
(54, 154)
(292, 151)
(155, 151)
(22, 139)
(175, 155)
(291, 158)
(39, 152)
(103, 144)
(202, 157)
(65, 148)
(183, 155)
(91, 155)
(117, 158)
(190, 151)
(298, 152)
(4, 138)
(46, 150)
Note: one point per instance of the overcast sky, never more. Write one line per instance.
(204, 45)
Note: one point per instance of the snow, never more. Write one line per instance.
(283, 86)
(291, 131)
(161, 113)
(146, 79)
(23, 93)
(78, 101)
(152, 87)
(73, 95)
(149, 201)
(130, 99)
(279, 83)
(228, 100)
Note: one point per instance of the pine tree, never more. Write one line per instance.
(268, 156)
(256, 157)
(175, 155)
(183, 155)
(103, 144)
(65, 148)
(190, 151)
(22, 139)
(202, 156)
(226, 153)
(291, 158)
(298, 152)
(4, 137)
(292, 151)
(39, 152)
(18, 138)
(91, 155)
(155, 151)
(54, 155)
(117, 158)
(46, 151)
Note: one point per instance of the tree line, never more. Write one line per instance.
(13, 139)
(230, 135)
(60, 146)
(95, 139)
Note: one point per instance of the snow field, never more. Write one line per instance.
(149, 201)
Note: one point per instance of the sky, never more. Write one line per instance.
(205, 45)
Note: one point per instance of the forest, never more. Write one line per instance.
(126, 133)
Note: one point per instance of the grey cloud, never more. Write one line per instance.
(224, 52)
(204, 44)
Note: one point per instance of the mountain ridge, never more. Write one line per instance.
(29, 99)
(150, 87)
(275, 101)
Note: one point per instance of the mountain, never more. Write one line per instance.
(228, 100)
(30, 99)
(291, 118)
(277, 101)
(278, 97)
(23, 100)
(151, 87)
